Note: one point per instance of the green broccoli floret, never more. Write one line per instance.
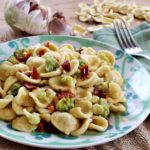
(42, 96)
(15, 88)
(82, 62)
(102, 108)
(65, 104)
(66, 79)
(51, 64)
(33, 118)
(19, 53)
(13, 60)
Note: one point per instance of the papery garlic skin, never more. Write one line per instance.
(58, 25)
(27, 16)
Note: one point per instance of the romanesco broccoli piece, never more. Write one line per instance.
(65, 104)
(51, 64)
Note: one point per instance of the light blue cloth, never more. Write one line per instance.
(141, 34)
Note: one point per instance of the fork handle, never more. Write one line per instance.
(142, 55)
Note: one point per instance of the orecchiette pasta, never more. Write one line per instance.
(2, 92)
(5, 101)
(114, 90)
(71, 90)
(82, 110)
(107, 11)
(117, 107)
(99, 123)
(92, 60)
(103, 70)
(24, 78)
(18, 109)
(65, 122)
(40, 49)
(92, 80)
(82, 128)
(114, 76)
(22, 124)
(8, 69)
(9, 82)
(35, 62)
(88, 51)
(46, 117)
(83, 94)
(7, 114)
(62, 83)
(42, 96)
(23, 98)
(51, 46)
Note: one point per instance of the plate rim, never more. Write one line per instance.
(83, 145)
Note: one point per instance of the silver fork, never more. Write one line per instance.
(126, 40)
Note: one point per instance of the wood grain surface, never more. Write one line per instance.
(68, 7)
(138, 139)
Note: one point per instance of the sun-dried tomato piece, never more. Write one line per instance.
(66, 94)
(47, 44)
(49, 127)
(99, 93)
(51, 108)
(55, 101)
(35, 74)
(79, 50)
(41, 126)
(25, 57)
(84, 71)
(41, 52)
(44, 126)
(66, 66)
(30, 86)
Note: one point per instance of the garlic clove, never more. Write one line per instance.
(58, 25)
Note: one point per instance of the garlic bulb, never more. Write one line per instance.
(27, 16)
(58, 25)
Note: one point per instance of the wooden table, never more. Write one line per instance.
(69, 7)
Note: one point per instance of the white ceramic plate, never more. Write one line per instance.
(137, 91)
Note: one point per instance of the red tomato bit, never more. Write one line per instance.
(41, 126)
(68, 94)
(47, 44)
(35, 74)
(99, 93)
(51, 108)
(30, 86)
(25, 57)
(66, 66)
(41, 52)
(79, 50)
(84, 71)
(44, 126)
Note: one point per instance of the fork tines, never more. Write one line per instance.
(124, 35)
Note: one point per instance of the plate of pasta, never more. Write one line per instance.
(69, 92)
